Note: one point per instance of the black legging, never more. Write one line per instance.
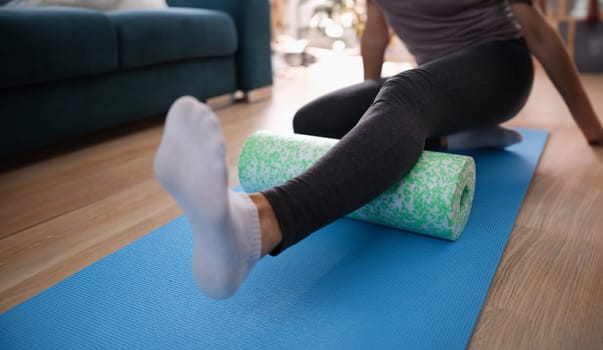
(383, 126)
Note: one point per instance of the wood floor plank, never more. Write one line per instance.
(54, 187)
(527, 305)
(40, 250)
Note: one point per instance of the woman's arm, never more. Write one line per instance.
(373, 41)
(546, 45)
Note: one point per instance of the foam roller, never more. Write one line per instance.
(433, 199)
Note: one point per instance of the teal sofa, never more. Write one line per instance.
(67, 72)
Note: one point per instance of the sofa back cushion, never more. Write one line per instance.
(51, 44)
(175, 34)
(41, 45)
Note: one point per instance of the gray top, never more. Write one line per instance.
(432, 28)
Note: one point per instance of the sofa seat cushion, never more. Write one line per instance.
(159, 36)
(49, 44)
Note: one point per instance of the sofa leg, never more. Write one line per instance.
(259, 94)
(220, 101)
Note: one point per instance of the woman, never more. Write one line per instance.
(475, 71)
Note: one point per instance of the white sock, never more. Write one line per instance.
(190, 164)
(489, 137)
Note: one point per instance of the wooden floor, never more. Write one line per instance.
(66, 208)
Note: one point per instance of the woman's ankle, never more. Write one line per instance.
(269, 227)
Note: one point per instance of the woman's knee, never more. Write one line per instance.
(334, 114)
(304, 121)
(326, 117)
(407, 96)
(408, 88)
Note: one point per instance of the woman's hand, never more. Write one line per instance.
(590, 125)
(596, 140)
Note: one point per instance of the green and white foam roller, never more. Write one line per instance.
(434, 198)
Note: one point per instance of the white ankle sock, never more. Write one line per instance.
(490, 137)
(190, 164)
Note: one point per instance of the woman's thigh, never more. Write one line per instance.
(474, 87)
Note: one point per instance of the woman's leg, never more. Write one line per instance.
(474, 87)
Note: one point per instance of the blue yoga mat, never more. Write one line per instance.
(349, 285)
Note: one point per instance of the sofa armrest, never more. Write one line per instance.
(252, 18)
